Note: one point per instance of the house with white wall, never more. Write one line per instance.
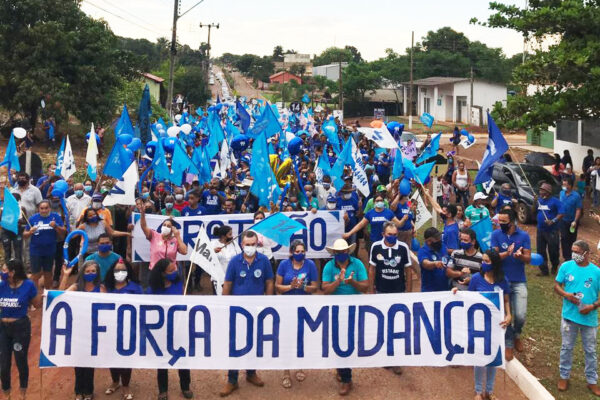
(577, 137)
(448, 98)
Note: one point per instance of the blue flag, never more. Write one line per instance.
(202, 162)
(278, 227)
(324, 166)
(332, 134)
(431, 149)
(243, 116)
(12, 157)
(496, 148)
(265, 185)
(398, 168)
(345, 158)
(159, 163)
(483, 231)
(60, 157)
(115, 165)
(419, 174)
(144, 112)
(267, 123)
(11, 212)
(180, 162)
(124, 124)
(427, 119)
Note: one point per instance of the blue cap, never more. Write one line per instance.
(331, 199)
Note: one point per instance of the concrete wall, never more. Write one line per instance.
(330, 71)
(485, 94)
(577, 150)
(154, 89)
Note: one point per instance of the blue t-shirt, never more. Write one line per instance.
(175, 288)
(514, 269)
(433, 280)
(211, 202)
(187, 211)
(43, 240)
(450, 237)
(570, 204)
(503, 201)
(351, 207)
(14, 302)
(585, 282)
(248, 280)
(104, 262)
(288, 273)
(551, 208)
(381, 169)
(130, 288)
(376, 220)
(402, 211)
(479, 284)
(331, 271)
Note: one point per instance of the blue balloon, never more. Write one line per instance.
(135, 144)
(536, 259)
(415, 245)
(169, 143)
(125, 138)
(393, 125)
(126, 156)
(305, 99)
(294, 146)
(240, 143)
(60, 188)
(464, 132)
(470, 138)
(151, 148)
(404, 187)
(82, 251)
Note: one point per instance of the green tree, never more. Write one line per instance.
(333, 54)
(192, 84)
(278, 53)
(566, 74)
(358, 79)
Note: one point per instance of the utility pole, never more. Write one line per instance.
(341, 96)
(209, 26)
(410, 88)
(176, 16)
(471, 100)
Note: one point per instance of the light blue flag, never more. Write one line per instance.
(10, 213)
(427, 119)
(115, 165)
(124, 124)
(159, 163)
(180, 162)
(12, 157)
(278, 227)
(483, 231)
(60, 157)
(496, 147)
(267, 123)
(431, 149)
(323, 167)
(398, 168)
(203, 164)
(214, 126)
(332, 134)
(264, 186)
(419, 174)
(243, 116)
(232, 131)
(345, 158)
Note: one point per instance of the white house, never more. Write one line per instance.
(448, 99)
(577, 137)
(330, 71)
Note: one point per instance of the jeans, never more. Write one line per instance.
(490, 373)
(569, 331)
(518, 308)
(84, 381)
(10, 242)
(462, 196)
(162, 375)
(14, 338)
(121, 375)
(567, 238)
(596, 202)
(547, 245)
(58, 262)
(232, 375)
(345, 374)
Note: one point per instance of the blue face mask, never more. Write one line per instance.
(104, 248)
(93, 219)
(88, 188)
(486, 267)
(4, 276)
(79, 193)
(90, 277)
(298, 256)
(391, 239)
(172, 276)
(342, 257)
(466, 245)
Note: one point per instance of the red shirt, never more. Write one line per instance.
(180, 207)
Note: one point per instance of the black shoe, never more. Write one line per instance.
(188, 394)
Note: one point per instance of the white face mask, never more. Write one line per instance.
(578, 258)
(331, 206)
(178, 197)
(120, 276)
(250, 251)
(165, 230)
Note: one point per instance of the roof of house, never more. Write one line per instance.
(385, 95)
(436, 80)
(275, 75)
(155, 78)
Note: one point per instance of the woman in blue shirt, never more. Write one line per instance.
(296, 275)
(165, 280)
(490, 279)
(16, 294)
(120, 278)
(88, 280)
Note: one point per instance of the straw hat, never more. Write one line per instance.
(341, 245)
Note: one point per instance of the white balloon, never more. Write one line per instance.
(159, 127)
(162, 132)
(43, 103)
(177, 117)
(173, 131)
(186, 128)
(19, 132)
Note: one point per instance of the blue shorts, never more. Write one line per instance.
(41, 263)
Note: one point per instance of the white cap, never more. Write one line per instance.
(479, 196)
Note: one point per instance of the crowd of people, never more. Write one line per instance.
(382, 222)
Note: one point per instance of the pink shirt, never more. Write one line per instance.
(159, 248)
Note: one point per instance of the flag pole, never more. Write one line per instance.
(24, 216)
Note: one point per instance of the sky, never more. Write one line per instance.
(307, 26)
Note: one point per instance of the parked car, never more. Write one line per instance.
(535, 175)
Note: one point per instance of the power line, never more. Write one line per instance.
(125, 11)
(120, 17)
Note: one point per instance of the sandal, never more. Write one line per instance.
(300, 375)
(88, 397)
(128, 396)
(112, 389)
(163, 396)
(286, 382)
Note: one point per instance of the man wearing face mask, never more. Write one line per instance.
(77, 202)
(578, 283)
(30, 195)
(245, 201)
(504, 198)
(433, 258)
(344, 275)
(180, 202)
(572, 210)
(548, 216)
(103, 213)
(324, 190)
(105, 257)
(248, 274)
(514, 247)
(348, 201)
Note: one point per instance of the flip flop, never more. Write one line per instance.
(300, 376)
(112, 389)
(286, 382)
(128, 396)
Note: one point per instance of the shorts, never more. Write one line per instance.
(41, 263)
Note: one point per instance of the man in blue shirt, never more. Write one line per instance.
(572, 210)
(194, 208)
(578, 282)
(248, 274)
(105, 257)
(433, 259)
(514, 247)
(450, 236)
(548, 217)
(213, 199)
(503, 198)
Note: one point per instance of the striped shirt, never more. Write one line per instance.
(462, 260)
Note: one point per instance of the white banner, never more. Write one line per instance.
(322, 229)
(98, 330)
(422, 215)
